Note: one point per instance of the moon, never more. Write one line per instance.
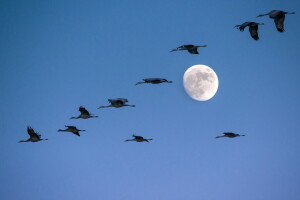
(200, 82)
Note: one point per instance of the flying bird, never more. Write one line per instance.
(138, 139)
(84, 114)
(253, 28)
(230, 135)
(190, 48)
(278, 17)
(34, 136)
(117, 103)
(154, 81)
(71, 129)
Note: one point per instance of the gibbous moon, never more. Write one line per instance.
(200, 82)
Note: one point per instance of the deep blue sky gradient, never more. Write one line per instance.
(58, 55)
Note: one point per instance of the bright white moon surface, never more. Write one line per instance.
(200, 82)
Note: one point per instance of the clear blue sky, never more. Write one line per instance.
(58, 55)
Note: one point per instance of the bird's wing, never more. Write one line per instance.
(116, 102)
(76, 133)
(274, 13)
(253, 31)
(72, 127)
(193, 51)
(187, 46)
(242, 26)
(150, 79)
(137, 137)
(229, 134)
(279, 22)
(124, 100)
(31, 132)
(83, 111)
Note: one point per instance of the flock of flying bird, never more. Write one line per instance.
(278, 17)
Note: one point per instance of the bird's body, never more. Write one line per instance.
(84, 114)
(253, 28)
(278, 17)
(34, 136)
(71, 129)
(193, 49)
(117, 103)
(154, 81)
(230, 135)
(138, 139)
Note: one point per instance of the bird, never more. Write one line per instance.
(229, 135)
(189, 47)
(71, 129)
(253, 28)
(278, 17)
(117, 103)
(138, 139)
(34, 136)
(154, 81)
(84, 114)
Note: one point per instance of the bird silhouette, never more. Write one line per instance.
(138, 139)
(34, 136)
(253, 28)
(84, 114)
(71, 129)
(230, 135)
(154, 81)
(278, 17)
(189, 47)
(117, 103)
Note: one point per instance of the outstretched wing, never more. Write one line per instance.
(76, 133)
(116, 102)
(253, 31)
(279, 20)
(72, 127)
(124, 100)
(137, 137)
(83, 111)
(193, 51)
(229, 134)
(32, 133)
(242, 26)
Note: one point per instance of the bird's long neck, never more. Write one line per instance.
(104, 106)
(220, 136)
(138, 83)
(261, 15)
(75, 117)
(60, 130)
(24, 140)
(81, 130)
(129, 140)
(289, 13)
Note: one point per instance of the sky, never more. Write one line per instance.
(58, 55)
